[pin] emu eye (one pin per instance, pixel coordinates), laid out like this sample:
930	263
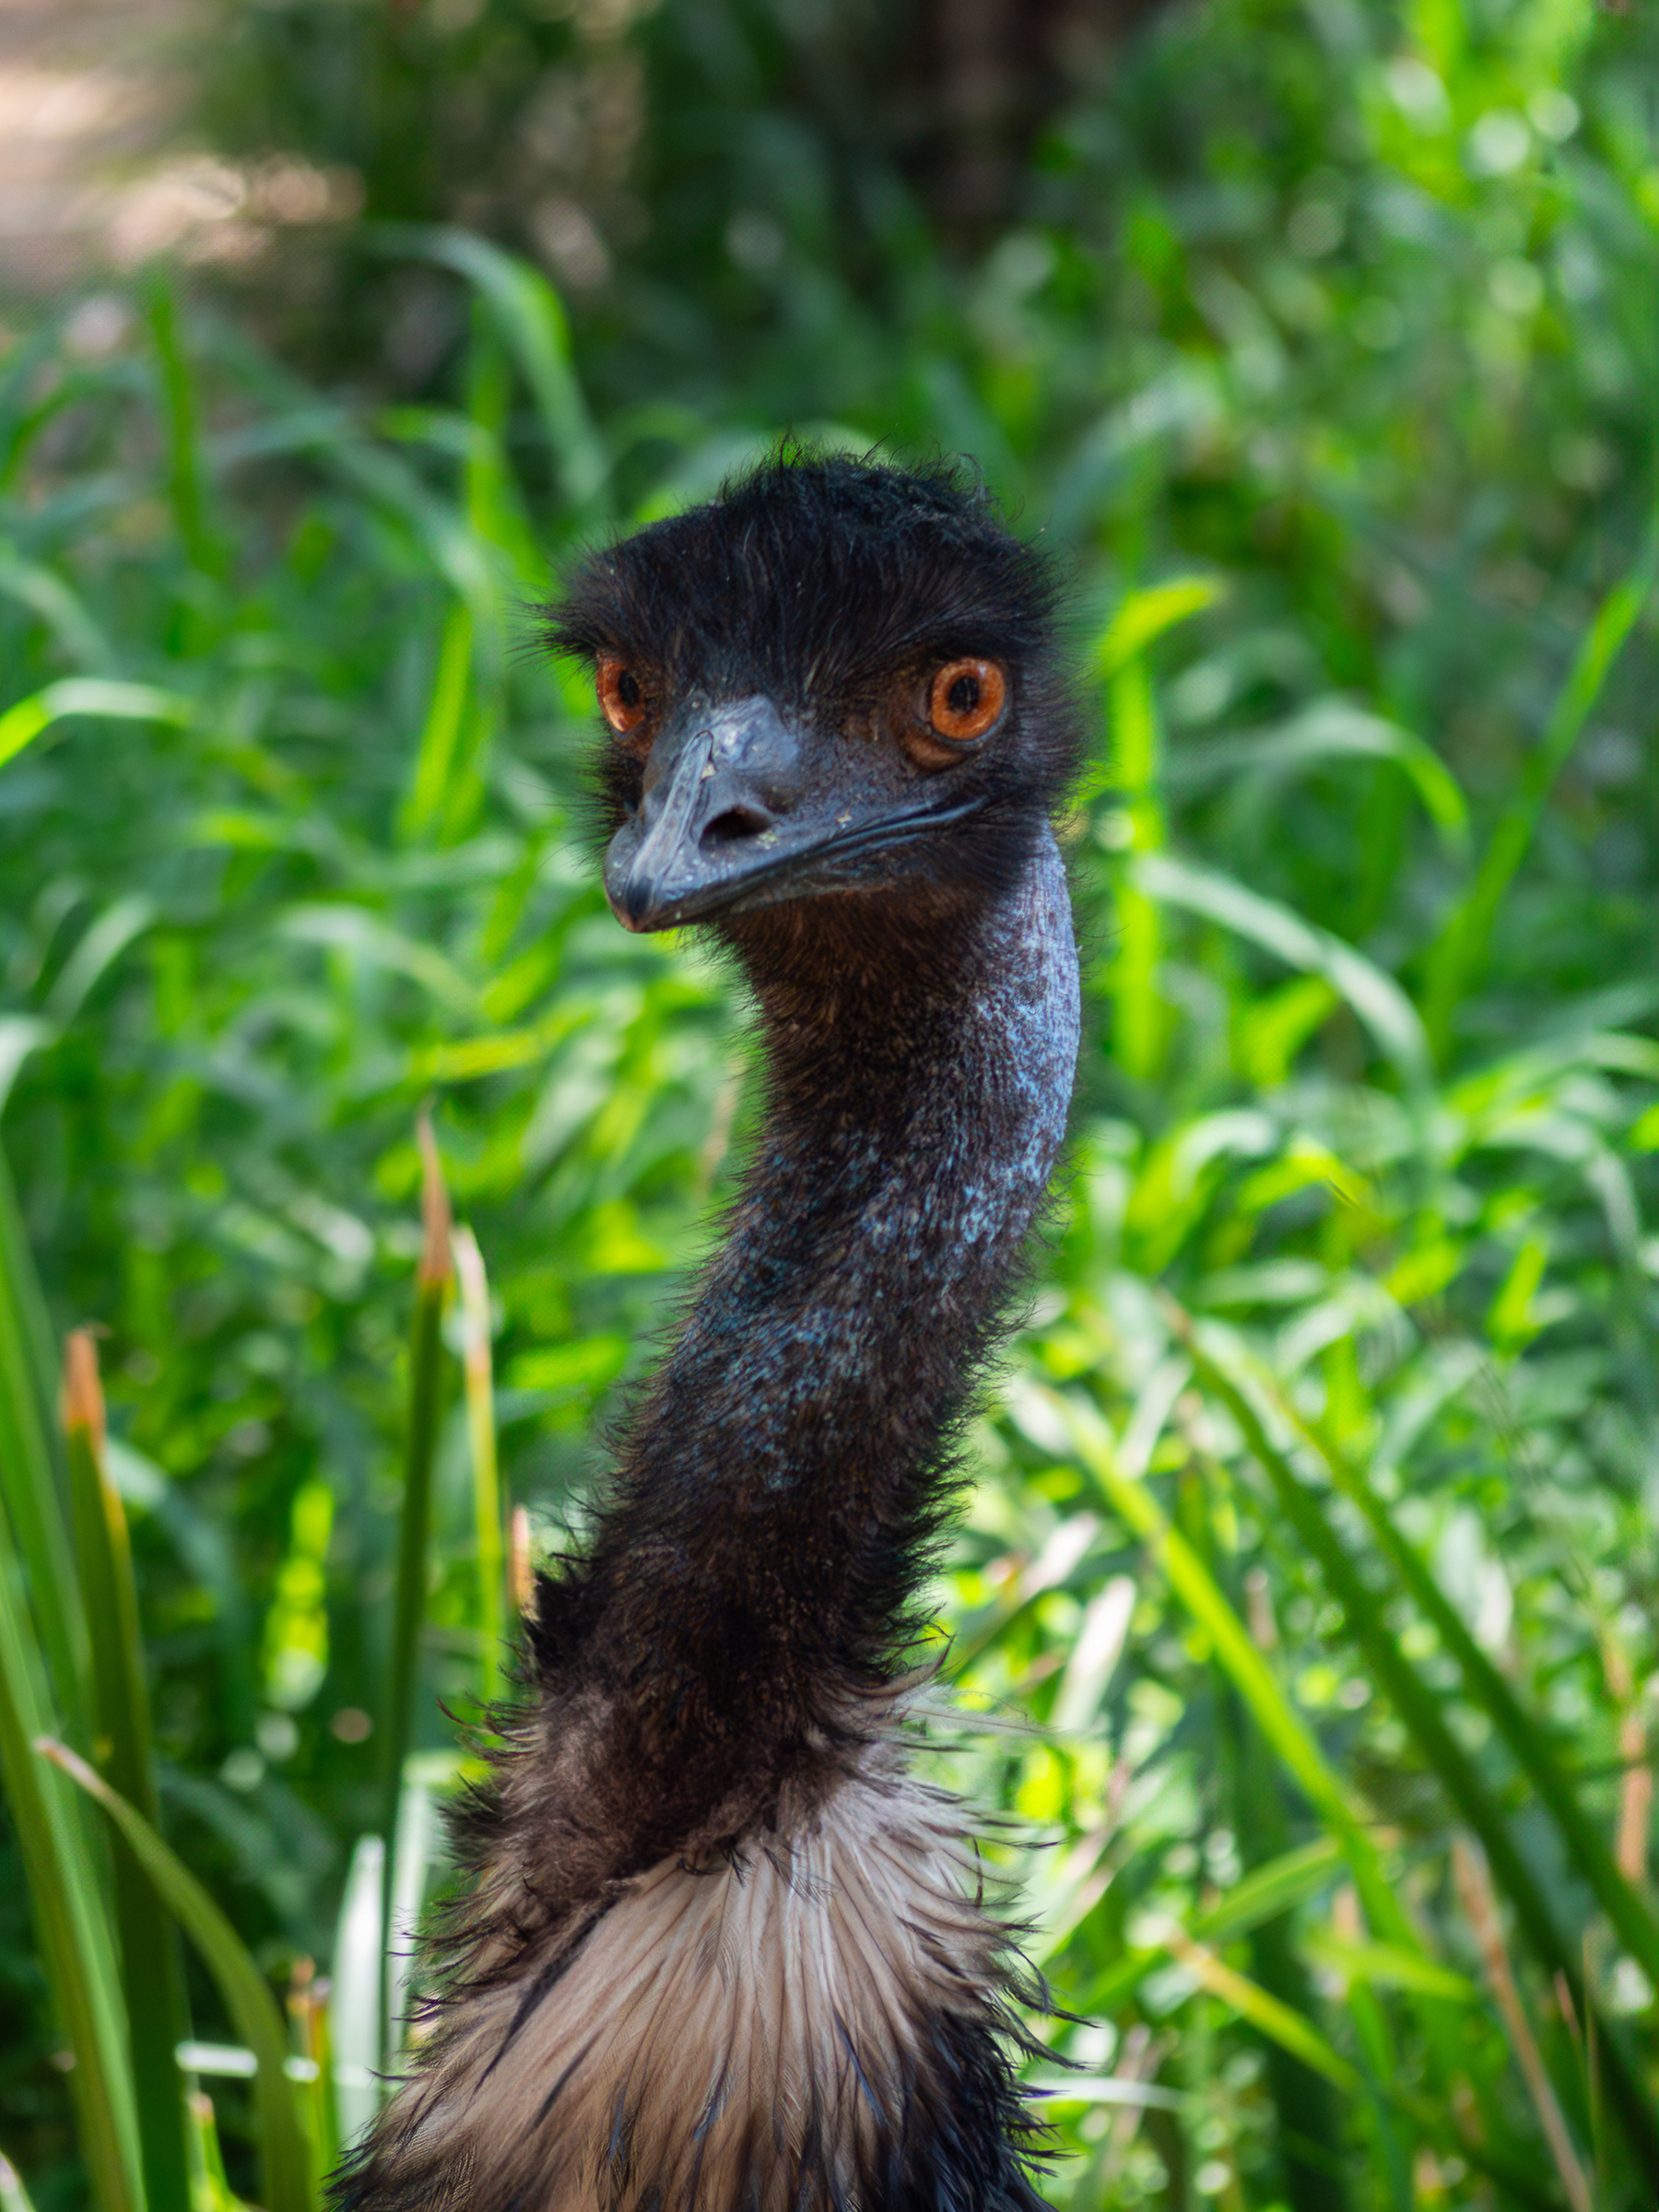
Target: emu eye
966	698
621	695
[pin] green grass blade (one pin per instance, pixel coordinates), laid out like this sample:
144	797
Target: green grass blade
368	470
481	1435
1141	1021
1480	1909
1458	957
1431	2123
22	723
1306	2119
1280	1726
1195	1587
1387	1966
1264	1894
1293	2031
1142	616
1419	1711
13	2197
494	506
27	1486
426	1377
1371	991
76	1951
1381	2064
23	1314
284	2162
1267	1891
442	737
152	1971
1334	729
531	320
184	480
78	634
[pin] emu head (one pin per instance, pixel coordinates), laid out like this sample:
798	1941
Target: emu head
834	684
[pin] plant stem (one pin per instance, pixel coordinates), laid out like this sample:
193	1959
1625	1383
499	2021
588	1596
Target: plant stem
426	1367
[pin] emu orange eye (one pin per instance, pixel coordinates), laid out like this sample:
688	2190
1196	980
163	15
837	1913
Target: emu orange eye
966	698
621	695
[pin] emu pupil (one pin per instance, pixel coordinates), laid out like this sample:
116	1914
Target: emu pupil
721	1950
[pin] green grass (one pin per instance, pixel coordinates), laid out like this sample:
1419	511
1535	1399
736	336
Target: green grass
1304	1604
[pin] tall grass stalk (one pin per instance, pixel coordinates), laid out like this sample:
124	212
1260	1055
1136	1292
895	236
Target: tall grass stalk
151	1969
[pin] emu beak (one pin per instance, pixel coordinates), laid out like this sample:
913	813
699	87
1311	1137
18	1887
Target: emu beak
717	820
726	824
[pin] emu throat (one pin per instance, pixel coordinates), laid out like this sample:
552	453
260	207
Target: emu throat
909	1146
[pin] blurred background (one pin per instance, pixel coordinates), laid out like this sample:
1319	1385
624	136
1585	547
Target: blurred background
1305	1605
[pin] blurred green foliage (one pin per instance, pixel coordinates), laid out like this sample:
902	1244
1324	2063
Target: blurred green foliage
1319	345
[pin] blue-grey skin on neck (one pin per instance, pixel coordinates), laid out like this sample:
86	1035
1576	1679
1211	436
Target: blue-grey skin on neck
883	1220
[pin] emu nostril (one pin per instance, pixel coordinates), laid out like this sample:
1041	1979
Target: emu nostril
737	822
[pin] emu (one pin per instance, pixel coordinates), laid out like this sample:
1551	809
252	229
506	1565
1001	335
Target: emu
721	1950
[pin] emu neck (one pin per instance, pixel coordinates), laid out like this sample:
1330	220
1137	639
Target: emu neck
754	1569
915	1116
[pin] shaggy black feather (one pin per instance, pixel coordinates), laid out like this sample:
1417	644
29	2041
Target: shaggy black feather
747	1591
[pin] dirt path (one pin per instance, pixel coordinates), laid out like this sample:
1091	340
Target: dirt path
87	102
